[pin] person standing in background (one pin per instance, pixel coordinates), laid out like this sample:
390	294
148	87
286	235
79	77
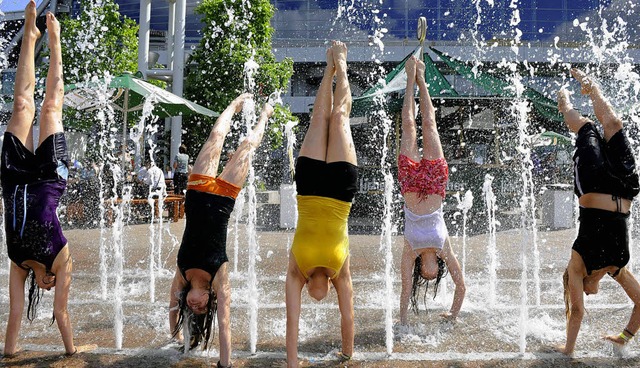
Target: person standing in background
181	170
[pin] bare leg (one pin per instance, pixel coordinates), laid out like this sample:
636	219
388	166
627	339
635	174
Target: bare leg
601	107
293	290
209	157
344	289
235	172
431	139
315	140
408	142
572	117
223	293
24	107
340	145
406	271
51	114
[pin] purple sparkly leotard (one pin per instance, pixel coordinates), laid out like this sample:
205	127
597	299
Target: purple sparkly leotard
32	184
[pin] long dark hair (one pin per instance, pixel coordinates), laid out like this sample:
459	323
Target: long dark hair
35	293
200	325
419	281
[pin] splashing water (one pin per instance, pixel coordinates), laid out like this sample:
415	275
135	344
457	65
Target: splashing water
248	114
238	211
464	205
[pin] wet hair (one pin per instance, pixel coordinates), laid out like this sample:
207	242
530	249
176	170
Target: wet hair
182	148
419	281
34	298
199	325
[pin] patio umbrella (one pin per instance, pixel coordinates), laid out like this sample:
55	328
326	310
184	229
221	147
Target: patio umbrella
550	138
128	94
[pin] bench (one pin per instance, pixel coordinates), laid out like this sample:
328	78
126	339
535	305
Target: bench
174	204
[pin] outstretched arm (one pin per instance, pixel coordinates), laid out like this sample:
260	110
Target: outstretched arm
177	285
456	274
344	289
576	303
17	277
61	298
406	271
293	289
632	288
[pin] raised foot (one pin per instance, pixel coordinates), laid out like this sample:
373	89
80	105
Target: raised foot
585	81
410	68
30	15
331	66
339	50
239	101
267	110
564	101
53	29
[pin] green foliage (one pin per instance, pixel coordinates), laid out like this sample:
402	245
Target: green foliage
98	43
234	32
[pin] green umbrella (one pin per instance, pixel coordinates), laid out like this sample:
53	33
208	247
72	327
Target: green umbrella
128	94
550	138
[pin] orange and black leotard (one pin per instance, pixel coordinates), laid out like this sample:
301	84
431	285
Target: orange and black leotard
208	205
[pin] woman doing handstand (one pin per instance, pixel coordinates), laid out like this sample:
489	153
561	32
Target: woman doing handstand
605	182
201	281
326	177
33	182
423	180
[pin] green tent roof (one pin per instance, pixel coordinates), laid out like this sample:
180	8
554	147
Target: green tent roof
498	86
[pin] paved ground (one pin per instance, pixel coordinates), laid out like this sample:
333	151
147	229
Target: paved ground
487	334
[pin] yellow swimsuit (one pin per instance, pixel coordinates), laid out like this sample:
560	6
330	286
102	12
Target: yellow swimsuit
321	238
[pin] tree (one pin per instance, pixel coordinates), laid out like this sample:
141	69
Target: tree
233	33
99	42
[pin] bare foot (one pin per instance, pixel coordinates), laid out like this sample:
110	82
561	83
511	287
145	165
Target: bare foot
339	50
238	102
30	20
564	102
410	68
615	339
267	109
331	66
584	79
53	30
